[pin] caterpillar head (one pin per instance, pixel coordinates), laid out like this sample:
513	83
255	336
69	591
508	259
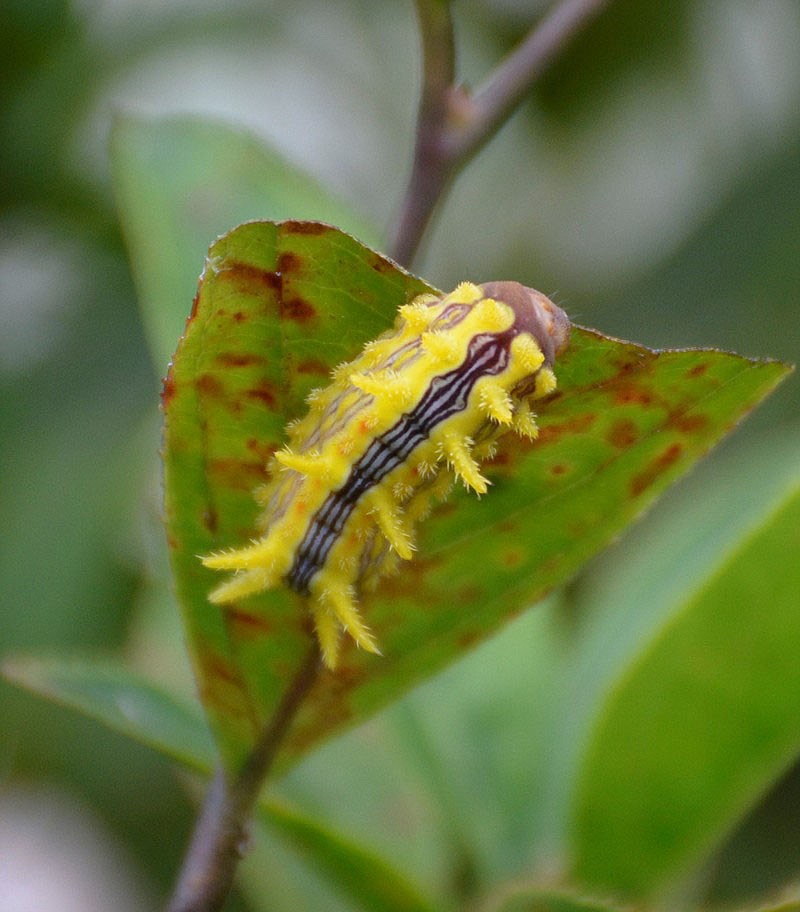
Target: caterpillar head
535	314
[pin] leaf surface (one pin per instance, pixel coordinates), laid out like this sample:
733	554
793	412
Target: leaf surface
702	723
120	699
538	900
362	876
279	305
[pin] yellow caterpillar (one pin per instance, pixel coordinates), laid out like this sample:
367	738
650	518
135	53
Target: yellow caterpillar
420	405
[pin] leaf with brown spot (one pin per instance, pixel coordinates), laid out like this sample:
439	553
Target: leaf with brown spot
181	181
624	423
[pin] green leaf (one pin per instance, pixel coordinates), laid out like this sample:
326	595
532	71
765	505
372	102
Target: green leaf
703	722
538	900
279	305
362	876
121	700
180	183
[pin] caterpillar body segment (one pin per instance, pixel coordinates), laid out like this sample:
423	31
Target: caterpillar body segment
387	437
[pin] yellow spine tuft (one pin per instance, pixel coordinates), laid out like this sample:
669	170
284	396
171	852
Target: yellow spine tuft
328	631
260	554
494	401
385	386
385	509
456	450
312	464
527	351
494	316
242	584
525	421
545	382
417	316
337	601
465	293
441	347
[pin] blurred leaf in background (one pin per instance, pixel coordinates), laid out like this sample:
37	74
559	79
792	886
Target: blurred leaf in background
651	183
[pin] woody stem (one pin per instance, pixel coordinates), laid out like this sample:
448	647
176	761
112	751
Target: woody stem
206	876
453	124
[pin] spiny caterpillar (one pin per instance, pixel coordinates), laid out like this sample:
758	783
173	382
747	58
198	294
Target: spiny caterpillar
419	406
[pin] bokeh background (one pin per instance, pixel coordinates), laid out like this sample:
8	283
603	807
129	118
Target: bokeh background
650	184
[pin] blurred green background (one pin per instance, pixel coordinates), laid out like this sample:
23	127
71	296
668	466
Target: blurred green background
650	184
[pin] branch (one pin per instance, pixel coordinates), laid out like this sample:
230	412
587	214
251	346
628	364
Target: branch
453	124
494	102
215	849
429	169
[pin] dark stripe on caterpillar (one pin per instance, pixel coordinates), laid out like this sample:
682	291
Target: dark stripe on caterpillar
389	434
447	394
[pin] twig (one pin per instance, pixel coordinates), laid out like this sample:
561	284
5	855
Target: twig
215	849
430	165
453	124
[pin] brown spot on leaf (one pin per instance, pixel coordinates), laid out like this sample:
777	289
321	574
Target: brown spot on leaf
349	675
627	361
195	302
215	666
579	424
512	557
264	392
655	468
246	624
381	265
167	390
240	316
297	309
698	369
313	366
289	262
239	474
623	434
632	394
689	424
208	385
239	359
307	228
498	459
211	519
559	469
263	450
468	639
250	279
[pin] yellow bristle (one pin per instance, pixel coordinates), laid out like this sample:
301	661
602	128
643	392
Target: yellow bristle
494	402
456	450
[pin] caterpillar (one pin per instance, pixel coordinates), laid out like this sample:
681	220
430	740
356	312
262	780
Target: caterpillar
417	409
